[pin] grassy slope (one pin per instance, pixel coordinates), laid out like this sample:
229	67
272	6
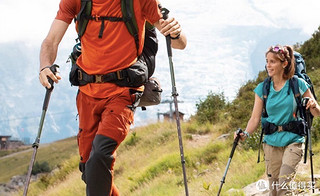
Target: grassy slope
17	164
148	162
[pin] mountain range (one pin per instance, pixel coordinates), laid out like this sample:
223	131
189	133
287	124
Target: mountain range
225	49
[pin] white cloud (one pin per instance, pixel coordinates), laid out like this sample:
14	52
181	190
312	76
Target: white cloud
26	21
292	13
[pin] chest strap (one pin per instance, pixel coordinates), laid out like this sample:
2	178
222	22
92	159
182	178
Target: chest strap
103	19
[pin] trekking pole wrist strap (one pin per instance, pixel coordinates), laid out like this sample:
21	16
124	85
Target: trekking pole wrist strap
177	37
246	133
44	68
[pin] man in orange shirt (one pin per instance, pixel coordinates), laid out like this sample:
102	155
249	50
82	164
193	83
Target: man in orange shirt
105	109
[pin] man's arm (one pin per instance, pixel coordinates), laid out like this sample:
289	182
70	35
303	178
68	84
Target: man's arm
173	28
48	51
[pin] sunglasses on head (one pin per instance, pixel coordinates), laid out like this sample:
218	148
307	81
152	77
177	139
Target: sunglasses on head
277	49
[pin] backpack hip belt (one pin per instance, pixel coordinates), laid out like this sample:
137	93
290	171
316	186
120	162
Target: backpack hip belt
297	127
133	76
83	77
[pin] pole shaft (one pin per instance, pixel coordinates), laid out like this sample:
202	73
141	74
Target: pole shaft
235	143
311	162
35	145
181	146
29	171
175	94
309	141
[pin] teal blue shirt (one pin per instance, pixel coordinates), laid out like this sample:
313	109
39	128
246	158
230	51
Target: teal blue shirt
281	109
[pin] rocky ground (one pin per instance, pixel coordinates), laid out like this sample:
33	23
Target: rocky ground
16	183
259	188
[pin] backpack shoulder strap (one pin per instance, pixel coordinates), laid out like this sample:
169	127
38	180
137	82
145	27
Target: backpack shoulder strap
265	93
82	17
294	85
128	16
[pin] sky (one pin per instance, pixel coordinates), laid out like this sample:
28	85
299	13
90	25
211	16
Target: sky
34	17
226	44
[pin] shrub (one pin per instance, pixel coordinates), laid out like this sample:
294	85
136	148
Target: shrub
209	109
40	168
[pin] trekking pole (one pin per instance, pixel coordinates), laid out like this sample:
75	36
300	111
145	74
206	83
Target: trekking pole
309	120
35	145
235	143
308	143
165	13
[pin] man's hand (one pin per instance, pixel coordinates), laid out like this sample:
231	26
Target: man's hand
45	73
170	27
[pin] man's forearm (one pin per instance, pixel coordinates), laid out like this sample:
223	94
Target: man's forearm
48	54
180	43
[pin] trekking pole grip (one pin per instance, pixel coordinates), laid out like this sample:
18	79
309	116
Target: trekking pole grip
165	12
54	70
236	140
238	134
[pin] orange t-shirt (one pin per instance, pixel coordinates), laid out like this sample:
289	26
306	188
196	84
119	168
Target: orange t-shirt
116	50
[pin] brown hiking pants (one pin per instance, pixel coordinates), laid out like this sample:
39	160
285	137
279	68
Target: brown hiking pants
103	125
281	167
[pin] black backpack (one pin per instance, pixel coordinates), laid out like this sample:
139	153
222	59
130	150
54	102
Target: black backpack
150	47
146	58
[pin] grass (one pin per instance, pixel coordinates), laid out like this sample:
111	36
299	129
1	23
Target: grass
53	154
48	182
150	165
10	151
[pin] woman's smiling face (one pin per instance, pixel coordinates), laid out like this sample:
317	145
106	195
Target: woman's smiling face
274	65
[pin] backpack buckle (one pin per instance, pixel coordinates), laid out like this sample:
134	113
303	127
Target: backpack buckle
280	128
98	78
96	18
119	75
80	75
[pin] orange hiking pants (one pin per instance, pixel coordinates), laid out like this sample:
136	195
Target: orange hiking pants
103	125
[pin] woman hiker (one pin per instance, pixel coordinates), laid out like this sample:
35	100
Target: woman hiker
282	148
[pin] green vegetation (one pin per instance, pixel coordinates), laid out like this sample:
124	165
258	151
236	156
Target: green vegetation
54	154
208	110
40	168
148	161
311	50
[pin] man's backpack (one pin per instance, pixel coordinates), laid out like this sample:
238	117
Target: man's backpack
300	72
146	58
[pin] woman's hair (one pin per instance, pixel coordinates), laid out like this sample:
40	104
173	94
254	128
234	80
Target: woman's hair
284	53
